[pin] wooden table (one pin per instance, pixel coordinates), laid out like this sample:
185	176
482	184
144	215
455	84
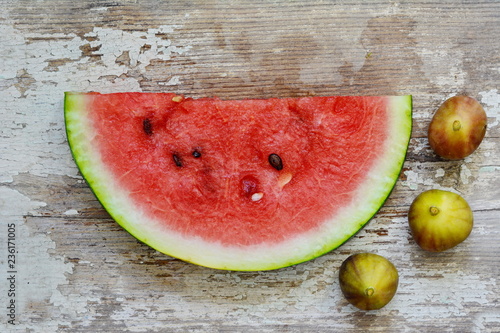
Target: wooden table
76	270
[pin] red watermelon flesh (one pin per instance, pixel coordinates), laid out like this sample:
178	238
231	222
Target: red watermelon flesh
239	175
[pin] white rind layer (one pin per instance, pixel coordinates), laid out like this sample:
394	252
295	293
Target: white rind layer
368	199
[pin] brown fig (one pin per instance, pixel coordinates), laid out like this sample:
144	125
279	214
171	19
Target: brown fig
457	128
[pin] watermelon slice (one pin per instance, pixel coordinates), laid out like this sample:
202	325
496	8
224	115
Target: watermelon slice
239	184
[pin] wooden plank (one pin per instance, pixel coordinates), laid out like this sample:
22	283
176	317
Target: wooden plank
78	271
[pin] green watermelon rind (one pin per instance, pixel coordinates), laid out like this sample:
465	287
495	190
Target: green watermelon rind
372	195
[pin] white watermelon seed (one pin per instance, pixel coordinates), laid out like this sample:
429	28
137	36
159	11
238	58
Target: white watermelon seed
257	196
284	179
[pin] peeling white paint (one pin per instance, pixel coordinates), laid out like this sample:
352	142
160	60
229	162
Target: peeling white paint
175	80
55	64
414	179
440	173
491	102
452	74
490	168
142	47
71	212
442	295
14	205
485	318
38	276
100	9
465	174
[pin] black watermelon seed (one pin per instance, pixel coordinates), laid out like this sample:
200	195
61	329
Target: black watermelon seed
147	126
196	154
275	161
177	160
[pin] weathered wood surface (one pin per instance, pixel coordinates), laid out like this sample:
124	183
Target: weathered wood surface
78	271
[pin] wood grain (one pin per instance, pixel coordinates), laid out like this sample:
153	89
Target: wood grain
78	271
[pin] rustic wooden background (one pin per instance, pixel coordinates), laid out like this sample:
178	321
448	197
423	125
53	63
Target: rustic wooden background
78	271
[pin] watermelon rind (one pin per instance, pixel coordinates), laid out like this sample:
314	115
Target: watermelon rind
369	197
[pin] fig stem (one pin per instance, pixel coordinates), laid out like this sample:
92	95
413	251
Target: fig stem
457	125
434	210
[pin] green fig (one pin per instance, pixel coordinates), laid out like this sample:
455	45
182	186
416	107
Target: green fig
440	220
368	281
457	128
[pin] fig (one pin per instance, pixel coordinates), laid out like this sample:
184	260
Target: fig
368	281
440	220
457	128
